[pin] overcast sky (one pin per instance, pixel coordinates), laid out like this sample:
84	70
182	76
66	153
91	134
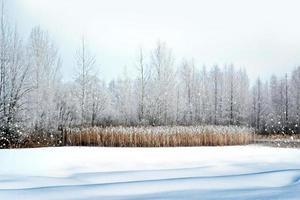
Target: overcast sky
261	36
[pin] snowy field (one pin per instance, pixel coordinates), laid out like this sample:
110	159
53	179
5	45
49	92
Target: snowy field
236	172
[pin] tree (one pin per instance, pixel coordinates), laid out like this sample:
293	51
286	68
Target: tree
143	77
98	99
45	65
187	73
67	105
242	101
216	94
161	107
84	71
257	101
295	99
124	101
13	82
204	97
230	93
286	103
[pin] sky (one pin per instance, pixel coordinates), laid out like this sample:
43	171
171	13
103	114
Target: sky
259	35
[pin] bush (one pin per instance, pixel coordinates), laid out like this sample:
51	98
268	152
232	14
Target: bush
41	138
10	135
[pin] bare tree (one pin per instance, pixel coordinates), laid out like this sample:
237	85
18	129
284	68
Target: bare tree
216	76
187	73
295	98
45	65
4	48
84	70
257	104
142	79
98	99
286	103
13	81
162	85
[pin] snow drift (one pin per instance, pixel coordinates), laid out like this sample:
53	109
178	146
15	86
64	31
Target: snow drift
239	172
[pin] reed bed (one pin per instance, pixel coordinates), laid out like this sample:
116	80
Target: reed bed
158	136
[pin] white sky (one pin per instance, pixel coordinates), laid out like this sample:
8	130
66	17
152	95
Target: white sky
262	36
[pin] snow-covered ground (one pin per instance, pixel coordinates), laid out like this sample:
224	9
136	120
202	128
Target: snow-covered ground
236	172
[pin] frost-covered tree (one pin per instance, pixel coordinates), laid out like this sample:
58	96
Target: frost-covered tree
164	92
67	105
286	102
204	97
44	74
13	81
257	101
243	98
124	102
128	106
161	108
187	73
275	104
85	70
98	100
230	95
236	96
295	99
216	95
142	80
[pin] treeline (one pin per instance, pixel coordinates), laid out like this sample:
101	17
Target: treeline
33	96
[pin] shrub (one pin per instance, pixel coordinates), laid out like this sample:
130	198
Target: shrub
9	135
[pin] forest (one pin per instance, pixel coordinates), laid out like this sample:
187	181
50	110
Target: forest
165	91
149	100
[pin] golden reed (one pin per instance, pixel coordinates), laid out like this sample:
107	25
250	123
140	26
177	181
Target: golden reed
158	136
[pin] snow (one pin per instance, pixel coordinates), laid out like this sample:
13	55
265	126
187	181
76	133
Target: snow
232	172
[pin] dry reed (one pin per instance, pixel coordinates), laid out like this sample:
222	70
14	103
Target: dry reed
158	136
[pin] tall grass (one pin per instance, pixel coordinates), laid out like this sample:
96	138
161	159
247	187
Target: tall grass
158	136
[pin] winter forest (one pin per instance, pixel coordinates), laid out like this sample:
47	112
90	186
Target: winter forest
165	90
133	99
